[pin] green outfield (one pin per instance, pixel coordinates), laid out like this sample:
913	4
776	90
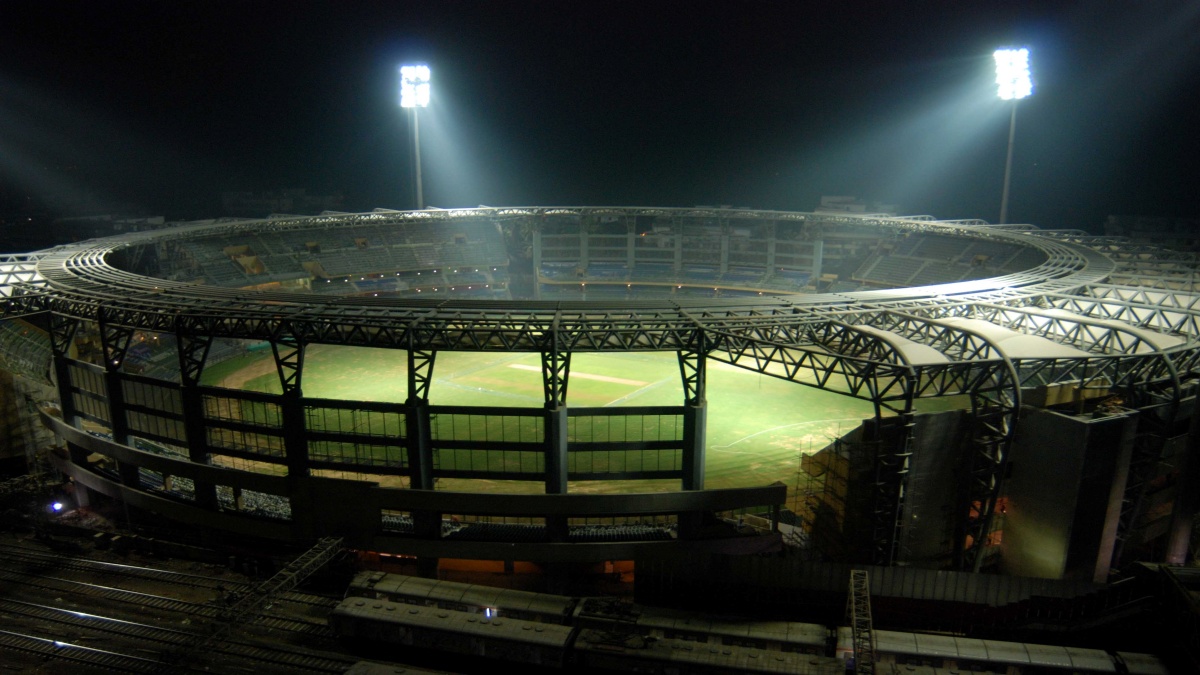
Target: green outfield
758	426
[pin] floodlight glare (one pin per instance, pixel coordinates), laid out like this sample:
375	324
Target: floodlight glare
414	86
1012	73
1012	76
414	94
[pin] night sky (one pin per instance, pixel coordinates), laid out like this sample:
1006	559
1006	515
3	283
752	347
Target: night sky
161	106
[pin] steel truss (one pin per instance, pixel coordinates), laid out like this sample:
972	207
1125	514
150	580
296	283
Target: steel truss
193	352
420	374
556	369
288	351
20	269
1158	317
813	340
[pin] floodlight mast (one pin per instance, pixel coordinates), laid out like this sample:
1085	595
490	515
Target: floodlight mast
1012	78
414	94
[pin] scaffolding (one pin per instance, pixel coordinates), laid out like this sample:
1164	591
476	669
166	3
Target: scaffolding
821	499
834	498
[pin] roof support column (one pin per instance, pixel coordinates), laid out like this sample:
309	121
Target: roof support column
62	338
893	442
1155	426
193	352
695	415
418	445
288	351
418	432
115	342
556	368
1148	444
982	371
995	402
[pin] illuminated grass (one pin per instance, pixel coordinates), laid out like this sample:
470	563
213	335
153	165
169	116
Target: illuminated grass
757	425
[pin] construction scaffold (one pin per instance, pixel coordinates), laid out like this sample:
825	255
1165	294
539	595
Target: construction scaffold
821	498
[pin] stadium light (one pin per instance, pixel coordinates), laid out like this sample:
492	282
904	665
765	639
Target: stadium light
414	86
1012	74
1014	83
414	94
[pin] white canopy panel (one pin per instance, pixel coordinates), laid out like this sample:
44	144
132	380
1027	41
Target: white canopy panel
914	353
1016	345
1159	341
18	269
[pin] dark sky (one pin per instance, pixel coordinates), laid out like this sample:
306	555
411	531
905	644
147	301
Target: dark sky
163	105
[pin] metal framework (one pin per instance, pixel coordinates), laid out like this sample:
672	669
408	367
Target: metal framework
855	343
245	607
858	614
19	270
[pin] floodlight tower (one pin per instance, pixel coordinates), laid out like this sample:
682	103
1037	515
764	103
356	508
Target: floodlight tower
414	94
1012	77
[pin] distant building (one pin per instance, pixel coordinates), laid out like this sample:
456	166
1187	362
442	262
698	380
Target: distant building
102	225
1172	232
289	200
851	204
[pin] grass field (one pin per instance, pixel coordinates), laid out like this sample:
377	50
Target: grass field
758	426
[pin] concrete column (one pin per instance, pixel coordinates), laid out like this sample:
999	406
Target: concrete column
130	476
116	406
295	444
556	467
66	402
301	493
695	417
418	445
556	450
197	441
